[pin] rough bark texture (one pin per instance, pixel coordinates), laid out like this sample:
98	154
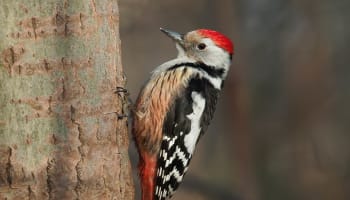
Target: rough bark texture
60	62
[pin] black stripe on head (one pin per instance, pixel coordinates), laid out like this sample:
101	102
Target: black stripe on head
210	70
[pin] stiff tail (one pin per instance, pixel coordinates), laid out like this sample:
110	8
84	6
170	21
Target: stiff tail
147	170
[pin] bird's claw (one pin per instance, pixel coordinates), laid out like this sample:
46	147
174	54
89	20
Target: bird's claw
119	90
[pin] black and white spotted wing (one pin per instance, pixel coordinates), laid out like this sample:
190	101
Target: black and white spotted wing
187	119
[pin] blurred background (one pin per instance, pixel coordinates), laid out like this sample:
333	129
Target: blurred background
281	129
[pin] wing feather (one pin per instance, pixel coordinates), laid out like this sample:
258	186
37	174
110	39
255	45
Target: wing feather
175	156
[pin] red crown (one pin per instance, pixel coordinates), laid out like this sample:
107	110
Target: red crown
218	38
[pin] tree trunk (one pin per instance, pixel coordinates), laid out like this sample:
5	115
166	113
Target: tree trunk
60	62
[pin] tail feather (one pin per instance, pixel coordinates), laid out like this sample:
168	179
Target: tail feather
147	170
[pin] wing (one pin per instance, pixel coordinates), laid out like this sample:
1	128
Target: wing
187	119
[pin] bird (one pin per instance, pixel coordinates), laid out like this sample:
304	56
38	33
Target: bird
175	106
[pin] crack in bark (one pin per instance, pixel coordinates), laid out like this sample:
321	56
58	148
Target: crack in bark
34	26
13	60
46	65
66	20
77	166
120	174
81	20
12	51
19	69
31	194
49	109
9	168
33	176
63	94
49	182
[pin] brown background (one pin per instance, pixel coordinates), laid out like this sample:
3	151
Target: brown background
281	130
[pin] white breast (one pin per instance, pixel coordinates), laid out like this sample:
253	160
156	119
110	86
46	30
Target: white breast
195	117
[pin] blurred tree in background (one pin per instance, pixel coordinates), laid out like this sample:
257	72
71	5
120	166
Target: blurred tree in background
281	130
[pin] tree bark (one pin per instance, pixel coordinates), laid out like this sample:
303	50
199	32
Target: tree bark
60	62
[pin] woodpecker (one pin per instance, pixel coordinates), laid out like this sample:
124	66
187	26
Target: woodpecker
175	107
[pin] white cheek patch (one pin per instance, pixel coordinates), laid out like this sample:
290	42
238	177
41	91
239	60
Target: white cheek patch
195	117
215	56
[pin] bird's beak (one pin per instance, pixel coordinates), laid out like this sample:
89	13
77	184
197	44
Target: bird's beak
177	37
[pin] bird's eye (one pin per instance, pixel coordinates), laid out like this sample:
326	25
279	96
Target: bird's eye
201	46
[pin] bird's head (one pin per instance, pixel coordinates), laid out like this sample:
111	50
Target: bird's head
204	45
